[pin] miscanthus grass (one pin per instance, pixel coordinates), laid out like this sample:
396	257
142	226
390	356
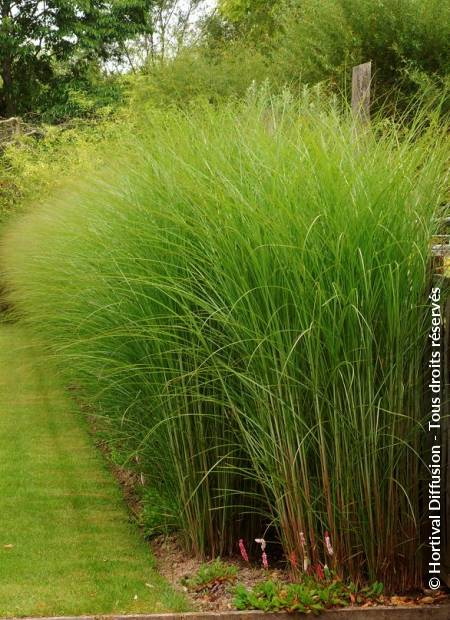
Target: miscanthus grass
243	295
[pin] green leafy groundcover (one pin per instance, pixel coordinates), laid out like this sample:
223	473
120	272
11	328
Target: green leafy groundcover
309	596
242	295
211	573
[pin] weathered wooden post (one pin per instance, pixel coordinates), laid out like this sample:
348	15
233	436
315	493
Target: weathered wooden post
361	79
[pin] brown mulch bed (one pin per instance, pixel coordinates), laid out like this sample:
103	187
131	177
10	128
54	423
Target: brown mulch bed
175	565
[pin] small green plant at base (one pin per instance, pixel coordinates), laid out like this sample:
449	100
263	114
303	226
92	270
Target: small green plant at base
309	596
212	572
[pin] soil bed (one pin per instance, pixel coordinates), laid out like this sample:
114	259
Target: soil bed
175	565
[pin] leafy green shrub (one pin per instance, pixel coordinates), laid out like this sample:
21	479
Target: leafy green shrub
67	98
242	290
44	158
199	74
309	42
323	40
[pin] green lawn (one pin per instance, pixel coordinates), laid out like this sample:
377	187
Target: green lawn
66	544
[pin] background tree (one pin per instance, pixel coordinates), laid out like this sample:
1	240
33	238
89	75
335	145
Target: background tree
38	37
174	27
255	19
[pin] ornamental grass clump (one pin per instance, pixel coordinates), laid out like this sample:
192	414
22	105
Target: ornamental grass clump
242	296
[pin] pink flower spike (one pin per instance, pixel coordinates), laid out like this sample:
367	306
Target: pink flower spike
243	550
265	563
328	544
303	540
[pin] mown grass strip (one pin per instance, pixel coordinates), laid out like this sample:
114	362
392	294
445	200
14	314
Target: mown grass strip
66	543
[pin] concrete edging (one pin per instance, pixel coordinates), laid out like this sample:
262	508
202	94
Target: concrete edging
424	612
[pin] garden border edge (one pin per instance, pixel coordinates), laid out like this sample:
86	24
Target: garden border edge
425	612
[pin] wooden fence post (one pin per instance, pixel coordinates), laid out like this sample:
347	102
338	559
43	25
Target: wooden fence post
361	78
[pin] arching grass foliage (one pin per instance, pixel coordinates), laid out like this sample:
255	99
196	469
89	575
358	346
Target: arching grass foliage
242	294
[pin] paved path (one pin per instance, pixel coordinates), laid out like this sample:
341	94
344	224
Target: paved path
66	544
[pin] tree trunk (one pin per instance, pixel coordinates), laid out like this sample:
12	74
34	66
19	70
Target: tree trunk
7	103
